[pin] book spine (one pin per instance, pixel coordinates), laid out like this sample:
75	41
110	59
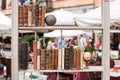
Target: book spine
35	54
78	58
56	59
53	57
40	16
59	59
71	57
42	59
19	53
43	16
36	14
38	59
47	59
74	63
33	15
25	15
50	59
62	58
24	49
67	59
20	15
29	15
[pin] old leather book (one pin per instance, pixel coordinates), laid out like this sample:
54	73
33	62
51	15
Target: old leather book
30	15
53	58
42	59
67	58
20	16
74	59
24	51
78	58
35	54
56	59
71	57
47	59
43	15
38	59
25	15
33	14
36	15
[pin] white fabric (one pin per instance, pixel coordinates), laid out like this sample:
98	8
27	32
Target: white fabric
64	17
5	22
57	33
93	17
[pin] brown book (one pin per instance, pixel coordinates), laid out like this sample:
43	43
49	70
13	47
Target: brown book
75	58
47	59
78	58
25	15
71	57
53	58
38	59
30	15
33	14
42	59
56	59
35	54
20	16
43	15
40	16
50	59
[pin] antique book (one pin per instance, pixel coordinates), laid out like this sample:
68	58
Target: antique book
42	59
56	59
43	15
30	15
38	59
36	14
71	57
74	59
20	16
40	16
67	58
33	15
35	54
60	59
19	54
53	58
25	15
48	61
78	58
24	51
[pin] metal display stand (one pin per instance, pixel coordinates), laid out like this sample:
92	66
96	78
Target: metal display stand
106	41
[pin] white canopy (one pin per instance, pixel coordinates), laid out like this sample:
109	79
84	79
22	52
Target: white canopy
64	17
5	22
93	17
58	33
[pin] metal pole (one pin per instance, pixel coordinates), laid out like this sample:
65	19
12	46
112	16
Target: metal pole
106	39
14	40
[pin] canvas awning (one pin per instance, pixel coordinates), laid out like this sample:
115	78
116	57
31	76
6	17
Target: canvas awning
94	17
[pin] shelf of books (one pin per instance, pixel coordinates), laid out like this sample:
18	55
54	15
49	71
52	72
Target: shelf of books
27	17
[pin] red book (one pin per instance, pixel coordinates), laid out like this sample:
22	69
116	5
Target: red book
35	54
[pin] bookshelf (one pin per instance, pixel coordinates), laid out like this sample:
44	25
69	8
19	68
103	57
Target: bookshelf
105	31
